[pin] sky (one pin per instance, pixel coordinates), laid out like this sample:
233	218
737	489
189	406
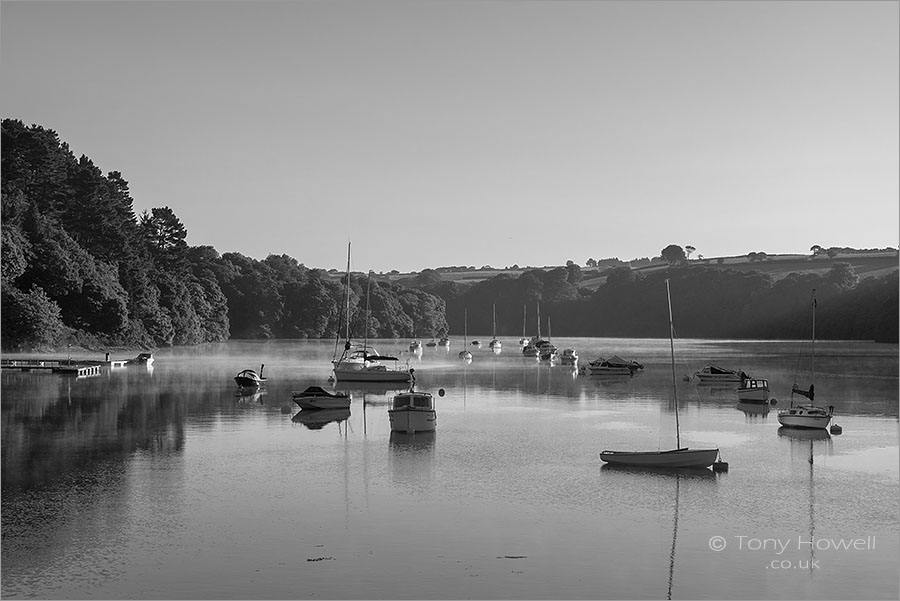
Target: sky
500	133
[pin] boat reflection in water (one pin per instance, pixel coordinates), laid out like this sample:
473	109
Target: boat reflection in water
658	476
316	419
752	410
803	441
411	461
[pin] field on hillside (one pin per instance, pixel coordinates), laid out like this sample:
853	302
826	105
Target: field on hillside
874	264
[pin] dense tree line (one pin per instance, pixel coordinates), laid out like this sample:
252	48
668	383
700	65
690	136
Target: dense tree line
708	302
79	267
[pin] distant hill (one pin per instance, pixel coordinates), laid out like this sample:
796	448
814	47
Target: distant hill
866	263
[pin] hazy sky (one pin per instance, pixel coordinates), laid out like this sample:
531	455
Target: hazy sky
477	132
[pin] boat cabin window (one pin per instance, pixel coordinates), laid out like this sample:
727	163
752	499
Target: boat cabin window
422	402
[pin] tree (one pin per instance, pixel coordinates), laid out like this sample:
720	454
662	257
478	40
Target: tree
815	249
688	250
165	236
842	275
29	320
590	262
673	254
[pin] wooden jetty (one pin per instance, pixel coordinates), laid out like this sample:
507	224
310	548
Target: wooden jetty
76	367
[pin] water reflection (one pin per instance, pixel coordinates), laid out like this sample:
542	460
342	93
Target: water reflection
249	395
411	460
753	411
667	485
316	419
803	444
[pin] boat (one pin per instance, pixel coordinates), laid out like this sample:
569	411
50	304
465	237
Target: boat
415	347
444	342
431	343
495	345
464	354
604	367
807	415
712	374
364	363
248	378
412	411
535	345
317	398
679	457
753	390
141	359
569	356
548	351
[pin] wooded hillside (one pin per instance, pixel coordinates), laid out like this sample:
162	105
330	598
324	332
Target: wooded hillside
79	267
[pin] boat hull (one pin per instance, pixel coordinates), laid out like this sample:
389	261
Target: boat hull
412	420
315	403
753	395
717	378
815	422
597	370
363	374
674	458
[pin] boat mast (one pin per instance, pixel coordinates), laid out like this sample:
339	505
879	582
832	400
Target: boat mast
347	335
674	385
524	318
494	325
366	335
812	379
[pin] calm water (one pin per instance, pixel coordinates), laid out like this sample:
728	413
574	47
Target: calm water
166	484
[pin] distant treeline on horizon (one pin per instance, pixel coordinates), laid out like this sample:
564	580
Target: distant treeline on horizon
79	267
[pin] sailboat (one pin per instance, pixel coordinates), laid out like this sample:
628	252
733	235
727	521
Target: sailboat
464	354
807	415
495	345
548	352
678	457
364	363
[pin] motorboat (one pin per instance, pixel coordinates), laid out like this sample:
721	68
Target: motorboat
415	346
603	367
431	343
569	356
712	374
412	411
444	342
141	359
753	390
679	457
316	397
248	378
807	415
